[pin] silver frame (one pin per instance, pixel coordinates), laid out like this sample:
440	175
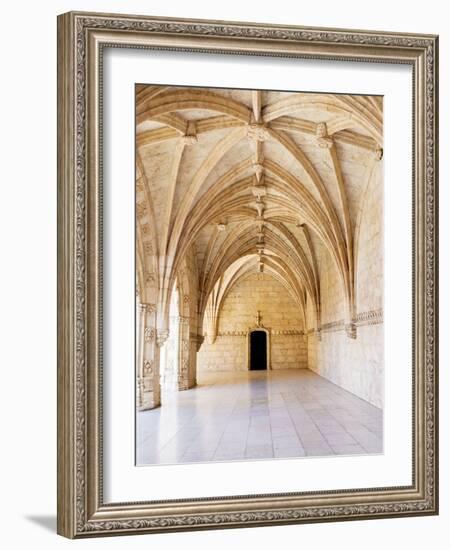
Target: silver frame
81	39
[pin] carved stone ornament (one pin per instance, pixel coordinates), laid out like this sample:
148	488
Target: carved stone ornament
149	277
148	367
257	132
141	209
322	138
259	191
147	308
378	153
161	337
350	329
259	170
189	140
149	334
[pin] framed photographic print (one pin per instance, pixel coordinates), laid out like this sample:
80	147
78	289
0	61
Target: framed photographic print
247	284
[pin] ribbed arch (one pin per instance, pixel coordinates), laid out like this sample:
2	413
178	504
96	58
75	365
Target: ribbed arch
244	204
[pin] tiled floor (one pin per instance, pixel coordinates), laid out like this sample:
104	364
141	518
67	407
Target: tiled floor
256	415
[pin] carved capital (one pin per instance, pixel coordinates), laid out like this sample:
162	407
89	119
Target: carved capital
323	140
147	308
161	337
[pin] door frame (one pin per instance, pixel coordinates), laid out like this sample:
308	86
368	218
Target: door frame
268	346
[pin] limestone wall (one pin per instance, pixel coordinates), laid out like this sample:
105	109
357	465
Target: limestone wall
355	364
279	314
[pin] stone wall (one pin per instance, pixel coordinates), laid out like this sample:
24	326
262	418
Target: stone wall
279	314
354	364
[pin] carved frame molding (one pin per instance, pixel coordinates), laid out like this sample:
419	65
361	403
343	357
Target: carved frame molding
81	510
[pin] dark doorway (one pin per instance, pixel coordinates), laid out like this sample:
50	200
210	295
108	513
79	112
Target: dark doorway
258	350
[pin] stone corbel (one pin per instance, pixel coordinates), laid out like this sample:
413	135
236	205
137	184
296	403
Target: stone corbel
323	140
350	329
161	337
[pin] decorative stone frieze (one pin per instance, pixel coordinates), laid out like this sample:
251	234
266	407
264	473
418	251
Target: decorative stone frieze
333	326
373	317
287	332
233	333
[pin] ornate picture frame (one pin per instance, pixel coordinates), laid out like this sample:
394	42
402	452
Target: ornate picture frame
82	39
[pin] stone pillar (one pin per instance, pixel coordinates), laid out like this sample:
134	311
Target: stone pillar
149	391
183	357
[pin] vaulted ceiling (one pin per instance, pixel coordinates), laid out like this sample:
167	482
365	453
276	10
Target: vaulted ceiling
249	181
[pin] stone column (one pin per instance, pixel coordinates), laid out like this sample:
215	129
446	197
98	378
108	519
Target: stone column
149	391
183	353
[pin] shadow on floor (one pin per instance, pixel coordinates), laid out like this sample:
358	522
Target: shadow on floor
46	522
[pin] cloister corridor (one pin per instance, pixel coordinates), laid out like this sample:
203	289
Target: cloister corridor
259	274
